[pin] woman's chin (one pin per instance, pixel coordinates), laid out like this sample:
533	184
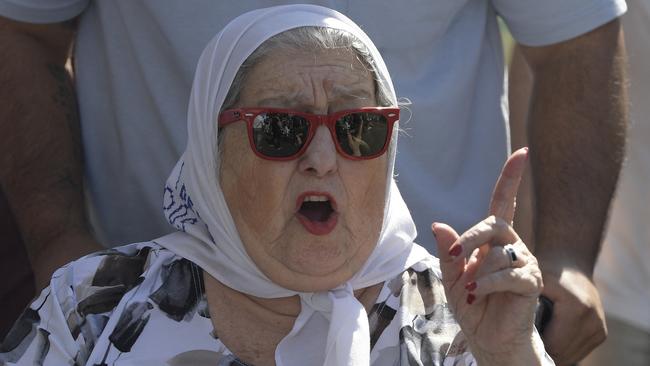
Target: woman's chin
301	261
324	269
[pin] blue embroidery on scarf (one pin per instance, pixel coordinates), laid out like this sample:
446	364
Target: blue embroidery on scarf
179	212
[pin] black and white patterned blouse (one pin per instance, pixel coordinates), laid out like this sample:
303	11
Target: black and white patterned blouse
141	304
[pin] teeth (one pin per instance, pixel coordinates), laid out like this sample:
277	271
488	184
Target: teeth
316	199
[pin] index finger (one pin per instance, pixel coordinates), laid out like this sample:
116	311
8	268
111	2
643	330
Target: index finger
502	203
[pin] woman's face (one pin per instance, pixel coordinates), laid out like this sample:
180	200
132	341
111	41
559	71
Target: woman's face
305	246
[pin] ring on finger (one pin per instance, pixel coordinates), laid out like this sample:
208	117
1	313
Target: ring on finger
511	253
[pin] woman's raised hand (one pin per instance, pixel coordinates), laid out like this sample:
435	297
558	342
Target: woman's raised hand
491	280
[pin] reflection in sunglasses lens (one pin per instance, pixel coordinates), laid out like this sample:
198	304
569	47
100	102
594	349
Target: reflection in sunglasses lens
279	134
362	134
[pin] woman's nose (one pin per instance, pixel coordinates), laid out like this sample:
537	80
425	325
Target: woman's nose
320	157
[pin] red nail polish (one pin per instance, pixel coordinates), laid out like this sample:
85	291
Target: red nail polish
455	251
471	286
470	298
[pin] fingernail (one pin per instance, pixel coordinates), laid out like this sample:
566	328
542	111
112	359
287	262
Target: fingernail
433	229
455	251
470	298
471	286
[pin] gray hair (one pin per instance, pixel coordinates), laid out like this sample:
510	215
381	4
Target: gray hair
309	38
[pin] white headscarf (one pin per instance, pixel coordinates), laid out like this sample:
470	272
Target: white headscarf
332	327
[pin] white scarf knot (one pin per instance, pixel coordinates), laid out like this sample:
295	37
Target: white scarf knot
348	335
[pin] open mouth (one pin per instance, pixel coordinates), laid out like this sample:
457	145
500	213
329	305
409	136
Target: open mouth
316	208
317	212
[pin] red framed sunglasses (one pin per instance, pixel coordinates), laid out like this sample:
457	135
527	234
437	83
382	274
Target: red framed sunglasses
284	134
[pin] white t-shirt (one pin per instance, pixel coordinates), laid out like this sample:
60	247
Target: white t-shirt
135	61
623	269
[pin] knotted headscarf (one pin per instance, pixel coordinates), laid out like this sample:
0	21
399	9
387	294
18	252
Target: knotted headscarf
332	327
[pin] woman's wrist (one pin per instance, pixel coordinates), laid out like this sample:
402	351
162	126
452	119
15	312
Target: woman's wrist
531	353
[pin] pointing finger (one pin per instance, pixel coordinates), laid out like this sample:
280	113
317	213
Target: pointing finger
502	203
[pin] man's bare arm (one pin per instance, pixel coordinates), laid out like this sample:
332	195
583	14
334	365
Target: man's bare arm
40	150
519	89
577	118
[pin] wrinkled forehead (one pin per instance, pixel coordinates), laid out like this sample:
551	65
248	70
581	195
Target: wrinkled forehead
301	77
310	65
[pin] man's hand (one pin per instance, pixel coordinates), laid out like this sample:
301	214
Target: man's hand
576	118
576	302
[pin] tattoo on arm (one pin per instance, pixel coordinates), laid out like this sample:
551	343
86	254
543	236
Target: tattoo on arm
65	98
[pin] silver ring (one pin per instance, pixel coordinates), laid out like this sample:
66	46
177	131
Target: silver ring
512	254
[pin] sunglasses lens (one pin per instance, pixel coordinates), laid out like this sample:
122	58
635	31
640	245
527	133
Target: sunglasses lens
362	134
279	135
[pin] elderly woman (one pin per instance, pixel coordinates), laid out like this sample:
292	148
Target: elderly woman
294	246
